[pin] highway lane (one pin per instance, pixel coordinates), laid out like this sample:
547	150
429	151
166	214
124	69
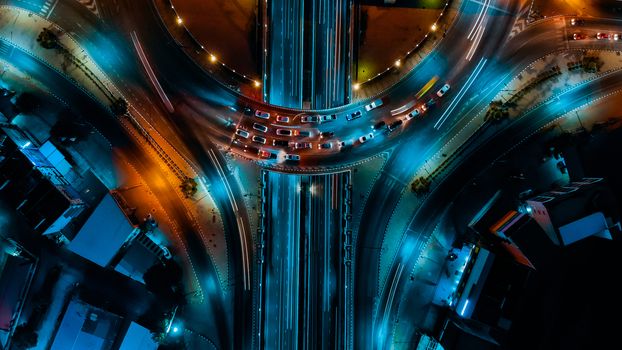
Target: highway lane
496	141
305	302
283	81
283	284
167	193
330	53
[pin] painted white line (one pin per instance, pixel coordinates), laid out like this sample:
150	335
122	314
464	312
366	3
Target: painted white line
461	93
150	73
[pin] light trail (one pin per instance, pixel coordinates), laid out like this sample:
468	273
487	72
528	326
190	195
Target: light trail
461	93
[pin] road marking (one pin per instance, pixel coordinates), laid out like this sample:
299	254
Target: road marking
461	93
495	7
91	5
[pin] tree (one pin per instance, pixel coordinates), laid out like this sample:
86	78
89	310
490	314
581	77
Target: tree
48	39
119	107
188	187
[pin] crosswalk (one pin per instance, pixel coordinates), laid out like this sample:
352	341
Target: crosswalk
47	7
5	48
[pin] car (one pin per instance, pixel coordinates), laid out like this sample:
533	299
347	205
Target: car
281	143
443	90
260	127
431	102
248	111
305	133
326	145
600	36
292	157
286	132
282	119
396	124
262	114
354	115
265	154
259	139
326	134
424	107
578	36
413	114
366	137
310	119
375	104
379	125
327	118
616	36
303	145
243	133
576	22
251	149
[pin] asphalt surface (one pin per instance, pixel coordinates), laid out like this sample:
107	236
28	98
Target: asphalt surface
305	300
476	62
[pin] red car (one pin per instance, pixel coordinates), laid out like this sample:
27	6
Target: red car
578	36
600	36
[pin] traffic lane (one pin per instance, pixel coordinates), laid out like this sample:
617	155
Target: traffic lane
237	233
481	155
141	16
281	262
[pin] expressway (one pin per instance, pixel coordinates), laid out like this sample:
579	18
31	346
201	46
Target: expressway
475	58
308	55
283	83
305	266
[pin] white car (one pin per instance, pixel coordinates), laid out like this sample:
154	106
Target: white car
377	103
327	118
443	90
243	133
260	127
309	119
282	119
292	157
262	114
366	138
412	114
259	139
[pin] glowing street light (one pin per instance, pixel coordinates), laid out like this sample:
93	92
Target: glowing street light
398	63
434	27
212	58
356	86
256	83
179	20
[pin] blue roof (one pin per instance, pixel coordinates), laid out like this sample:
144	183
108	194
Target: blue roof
103	234
86	327
138	338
